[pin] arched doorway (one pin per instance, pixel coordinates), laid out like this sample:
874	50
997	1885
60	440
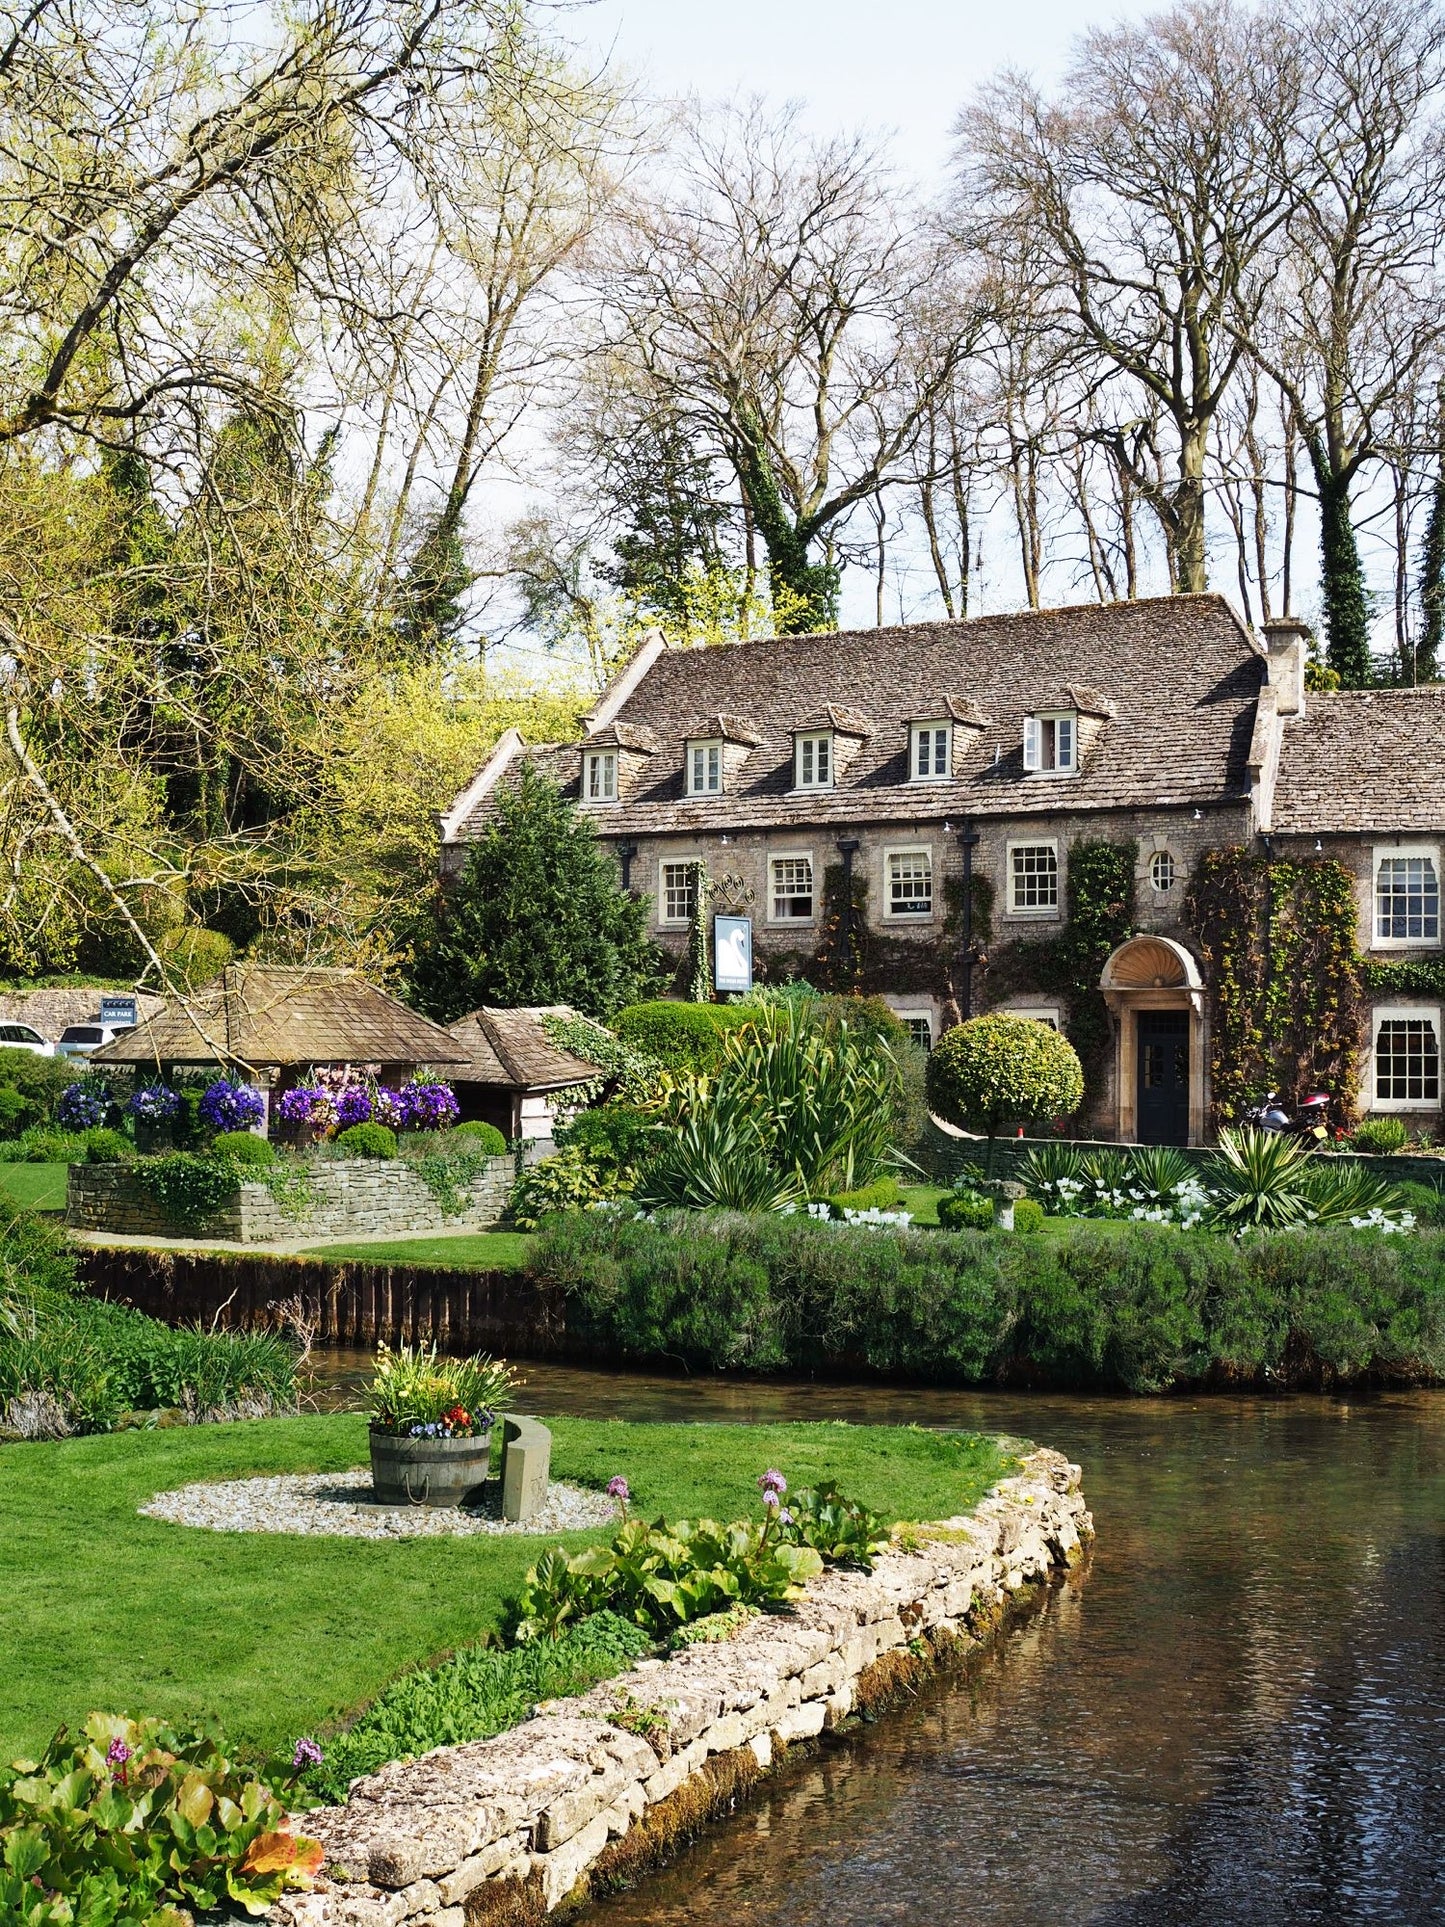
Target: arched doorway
1154	988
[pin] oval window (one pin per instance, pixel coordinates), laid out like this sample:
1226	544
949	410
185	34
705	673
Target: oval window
1161	871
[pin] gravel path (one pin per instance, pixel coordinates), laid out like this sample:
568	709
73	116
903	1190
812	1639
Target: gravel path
339	1504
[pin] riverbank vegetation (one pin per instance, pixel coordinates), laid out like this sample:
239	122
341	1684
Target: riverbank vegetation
171	1621
1121	1306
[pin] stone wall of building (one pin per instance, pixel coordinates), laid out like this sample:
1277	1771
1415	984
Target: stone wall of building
506	1830
353	1198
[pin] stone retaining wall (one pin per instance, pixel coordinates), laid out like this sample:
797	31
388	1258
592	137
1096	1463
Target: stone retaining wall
504	1830
353	1198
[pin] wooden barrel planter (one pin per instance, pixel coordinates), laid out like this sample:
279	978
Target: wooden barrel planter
429	1472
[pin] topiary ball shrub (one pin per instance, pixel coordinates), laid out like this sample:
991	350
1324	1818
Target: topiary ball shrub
1028	1215
994	1071
367	1141
965	1211
486	1137
243	1147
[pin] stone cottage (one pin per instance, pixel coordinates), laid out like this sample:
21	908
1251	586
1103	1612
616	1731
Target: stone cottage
1014	812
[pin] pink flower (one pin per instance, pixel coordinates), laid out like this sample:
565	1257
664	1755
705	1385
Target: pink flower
618	1488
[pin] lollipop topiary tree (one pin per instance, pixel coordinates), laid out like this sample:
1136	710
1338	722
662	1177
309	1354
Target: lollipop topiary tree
994	1071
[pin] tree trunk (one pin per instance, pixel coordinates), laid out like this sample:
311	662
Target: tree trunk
1432	585
1347	615
1191	573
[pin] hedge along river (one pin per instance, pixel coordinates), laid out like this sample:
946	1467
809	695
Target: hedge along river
1235	1713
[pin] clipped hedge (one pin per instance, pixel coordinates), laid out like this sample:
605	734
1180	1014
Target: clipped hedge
682	1037
1135	1308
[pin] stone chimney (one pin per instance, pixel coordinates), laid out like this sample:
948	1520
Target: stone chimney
1288	641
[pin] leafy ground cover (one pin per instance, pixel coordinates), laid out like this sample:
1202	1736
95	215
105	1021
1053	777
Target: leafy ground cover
279	1637
460	1251
35	1187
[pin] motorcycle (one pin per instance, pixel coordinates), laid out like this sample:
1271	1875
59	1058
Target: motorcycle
1310	1119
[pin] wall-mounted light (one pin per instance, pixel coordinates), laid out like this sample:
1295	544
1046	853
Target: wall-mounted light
1199	816
1318	846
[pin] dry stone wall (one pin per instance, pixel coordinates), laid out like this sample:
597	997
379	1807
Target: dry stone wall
506	1830
355	1198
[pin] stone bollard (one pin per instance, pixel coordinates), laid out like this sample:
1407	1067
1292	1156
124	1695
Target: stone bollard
526	1463
1005	1193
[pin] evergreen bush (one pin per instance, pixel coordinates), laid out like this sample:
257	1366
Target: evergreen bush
682	1037
1000	1070
371	1141
482	1137
243	1147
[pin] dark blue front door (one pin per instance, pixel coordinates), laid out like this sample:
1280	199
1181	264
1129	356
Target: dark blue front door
1163	1088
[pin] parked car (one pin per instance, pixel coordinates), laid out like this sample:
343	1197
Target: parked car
25	1037
79	1040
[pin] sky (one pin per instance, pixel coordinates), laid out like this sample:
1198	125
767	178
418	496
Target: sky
904	67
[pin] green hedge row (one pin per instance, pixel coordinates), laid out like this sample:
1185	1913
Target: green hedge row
1126	1307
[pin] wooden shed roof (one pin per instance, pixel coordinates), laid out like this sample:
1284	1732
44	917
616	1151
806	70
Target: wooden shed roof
272	1015
511	1048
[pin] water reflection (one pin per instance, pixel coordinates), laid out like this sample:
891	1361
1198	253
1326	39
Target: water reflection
1237	1714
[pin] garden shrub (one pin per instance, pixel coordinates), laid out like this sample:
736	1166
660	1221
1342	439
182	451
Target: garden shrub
1028	1215
44	1144
998	1070
613	1135
104	1146
1135	1307
369	1141
1380	1136
35	1255
485	1137
682	1037
243	1147
884	1194
136	1824
964	1209
37	1081
562	1182
476	1693
14	1109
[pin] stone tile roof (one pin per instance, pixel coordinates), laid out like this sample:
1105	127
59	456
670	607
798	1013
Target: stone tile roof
510	1047
271	1015
1363	759
1180	673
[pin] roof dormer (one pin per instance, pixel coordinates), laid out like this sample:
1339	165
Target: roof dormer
714	751
1056	739
939	740
825	743
614	759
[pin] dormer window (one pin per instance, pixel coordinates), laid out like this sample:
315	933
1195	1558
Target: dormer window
704	769
813	761
600	776
1051	743
932	752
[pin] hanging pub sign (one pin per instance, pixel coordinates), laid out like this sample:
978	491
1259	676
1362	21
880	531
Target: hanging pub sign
732	952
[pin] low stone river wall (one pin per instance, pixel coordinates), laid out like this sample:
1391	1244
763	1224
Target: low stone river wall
592	1791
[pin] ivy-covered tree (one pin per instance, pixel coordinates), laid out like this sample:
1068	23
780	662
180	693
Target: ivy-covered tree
536	917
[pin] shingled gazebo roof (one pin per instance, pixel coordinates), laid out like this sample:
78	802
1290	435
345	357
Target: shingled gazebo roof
511	1048
274	1016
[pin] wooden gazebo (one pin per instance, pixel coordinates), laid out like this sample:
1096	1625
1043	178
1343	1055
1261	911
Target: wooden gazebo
260	1019
513	1072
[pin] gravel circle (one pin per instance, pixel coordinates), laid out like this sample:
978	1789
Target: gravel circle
339	1505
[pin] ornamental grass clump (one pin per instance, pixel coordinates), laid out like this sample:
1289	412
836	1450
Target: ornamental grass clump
418	1394
141	1824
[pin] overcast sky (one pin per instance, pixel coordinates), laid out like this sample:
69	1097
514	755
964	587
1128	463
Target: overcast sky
905	66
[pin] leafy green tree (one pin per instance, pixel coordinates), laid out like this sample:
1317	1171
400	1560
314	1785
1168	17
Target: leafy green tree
1000	1070
536	917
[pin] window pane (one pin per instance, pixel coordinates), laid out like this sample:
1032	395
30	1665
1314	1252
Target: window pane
1407	1061
1407	900
1161	871
677	893
805	760
1065	739
920	1031
910	884
823	759
792	886
1034	880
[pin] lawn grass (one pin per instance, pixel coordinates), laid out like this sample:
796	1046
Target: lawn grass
922	1201
38	1187
459	1251
280	1635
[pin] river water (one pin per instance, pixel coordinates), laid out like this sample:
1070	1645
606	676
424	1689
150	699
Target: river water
1234	1713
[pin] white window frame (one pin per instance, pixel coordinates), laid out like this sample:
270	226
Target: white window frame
908	916
1167	856
1384	853
599	763
916	1015
709	748
1034	742
1384	1014
814	740
1050	1014
1033	912
775	857
664	921
932	729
